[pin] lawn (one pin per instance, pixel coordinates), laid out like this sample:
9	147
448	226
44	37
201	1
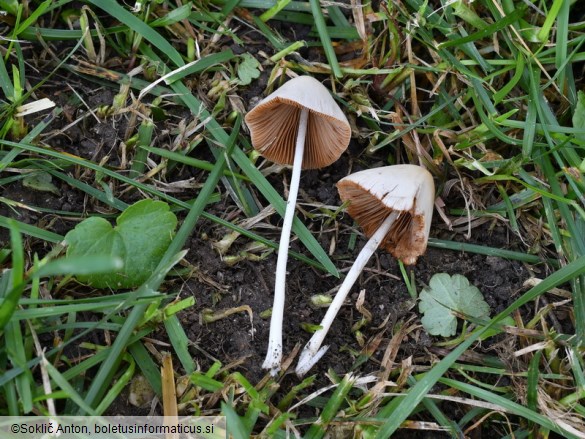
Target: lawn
139	226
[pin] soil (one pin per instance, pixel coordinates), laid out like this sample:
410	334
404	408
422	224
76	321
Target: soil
237	341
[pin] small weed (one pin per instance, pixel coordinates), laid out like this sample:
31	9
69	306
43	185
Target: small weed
445	296
140	238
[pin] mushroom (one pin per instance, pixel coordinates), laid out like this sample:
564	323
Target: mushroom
298	124
394	206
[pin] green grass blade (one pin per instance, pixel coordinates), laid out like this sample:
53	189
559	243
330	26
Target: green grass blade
15	281
337	17
562	47
180	343
148	367
5	80
486	31
64	385
507	88
531	113
532	384
319	428
88	189
551	16
579	307
484	250
174	16
13	337
278	6
278	42
236	427
190	161
511	215
33	32
34	16
200	65
17	253
140	154
442	419
80	265
325	38
116	389
52	311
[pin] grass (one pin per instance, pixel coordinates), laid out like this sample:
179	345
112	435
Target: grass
486	95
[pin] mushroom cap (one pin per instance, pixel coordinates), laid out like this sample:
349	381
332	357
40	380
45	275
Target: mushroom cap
274	124
374	193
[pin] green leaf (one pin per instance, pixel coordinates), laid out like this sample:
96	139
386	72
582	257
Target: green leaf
248	69
40	181
140	238
508	321
446	294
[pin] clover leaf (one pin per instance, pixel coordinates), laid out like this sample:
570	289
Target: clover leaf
141	236
446	294
248	69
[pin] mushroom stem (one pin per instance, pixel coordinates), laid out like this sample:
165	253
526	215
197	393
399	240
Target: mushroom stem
274	353
312	352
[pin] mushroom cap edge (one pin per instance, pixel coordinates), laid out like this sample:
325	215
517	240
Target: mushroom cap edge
374	193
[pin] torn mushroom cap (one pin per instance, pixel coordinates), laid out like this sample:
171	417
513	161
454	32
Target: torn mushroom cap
274	123
407	189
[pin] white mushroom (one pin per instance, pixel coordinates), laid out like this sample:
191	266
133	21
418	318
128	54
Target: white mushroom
298	124
394	206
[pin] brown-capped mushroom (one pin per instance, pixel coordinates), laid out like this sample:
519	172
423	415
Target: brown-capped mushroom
300	125
394	206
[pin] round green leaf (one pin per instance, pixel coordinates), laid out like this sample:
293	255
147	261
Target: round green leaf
140	239
446	294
